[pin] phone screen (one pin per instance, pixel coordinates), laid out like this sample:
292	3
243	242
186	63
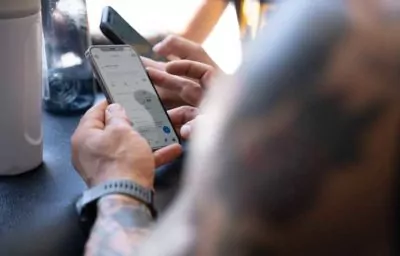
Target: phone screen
125	33
127	83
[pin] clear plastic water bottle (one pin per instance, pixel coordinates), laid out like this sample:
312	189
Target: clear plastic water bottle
70	85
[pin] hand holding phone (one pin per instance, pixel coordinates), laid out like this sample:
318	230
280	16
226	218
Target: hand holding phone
124	80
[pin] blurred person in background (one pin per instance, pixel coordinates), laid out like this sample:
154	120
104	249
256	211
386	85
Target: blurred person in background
297	154
251	16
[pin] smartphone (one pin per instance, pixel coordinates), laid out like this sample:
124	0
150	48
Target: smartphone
118	31
124	80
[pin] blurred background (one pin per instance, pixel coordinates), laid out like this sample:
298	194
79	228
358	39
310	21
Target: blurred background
160	17
223	28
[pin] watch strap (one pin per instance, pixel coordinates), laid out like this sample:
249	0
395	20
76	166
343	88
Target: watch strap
125	187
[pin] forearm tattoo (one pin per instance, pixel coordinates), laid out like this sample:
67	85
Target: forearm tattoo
121	226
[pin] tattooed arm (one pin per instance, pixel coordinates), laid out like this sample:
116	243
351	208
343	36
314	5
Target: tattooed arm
105	147
120	228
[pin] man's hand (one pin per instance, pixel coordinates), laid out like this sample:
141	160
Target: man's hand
105	147
169	99
175	47
185	78
184	49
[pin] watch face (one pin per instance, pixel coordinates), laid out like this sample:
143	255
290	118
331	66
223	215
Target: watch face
87	216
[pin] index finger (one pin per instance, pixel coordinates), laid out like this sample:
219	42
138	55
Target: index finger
187	90
95	116
191	69
152	64
175	45
184	49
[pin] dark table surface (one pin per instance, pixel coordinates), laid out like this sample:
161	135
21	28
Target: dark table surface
37	214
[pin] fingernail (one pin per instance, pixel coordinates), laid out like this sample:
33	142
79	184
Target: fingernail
114	108
154	73
157	47
185	130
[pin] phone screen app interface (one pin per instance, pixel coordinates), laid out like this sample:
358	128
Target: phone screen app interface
130	86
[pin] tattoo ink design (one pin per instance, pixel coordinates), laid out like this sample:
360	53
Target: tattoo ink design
120	228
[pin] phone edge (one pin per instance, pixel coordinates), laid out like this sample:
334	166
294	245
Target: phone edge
97	75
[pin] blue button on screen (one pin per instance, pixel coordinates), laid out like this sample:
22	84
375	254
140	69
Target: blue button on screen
166	129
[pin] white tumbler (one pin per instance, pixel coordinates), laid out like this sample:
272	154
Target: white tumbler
21	143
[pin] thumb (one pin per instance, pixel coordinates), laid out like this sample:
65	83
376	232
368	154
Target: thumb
187	129
116	116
